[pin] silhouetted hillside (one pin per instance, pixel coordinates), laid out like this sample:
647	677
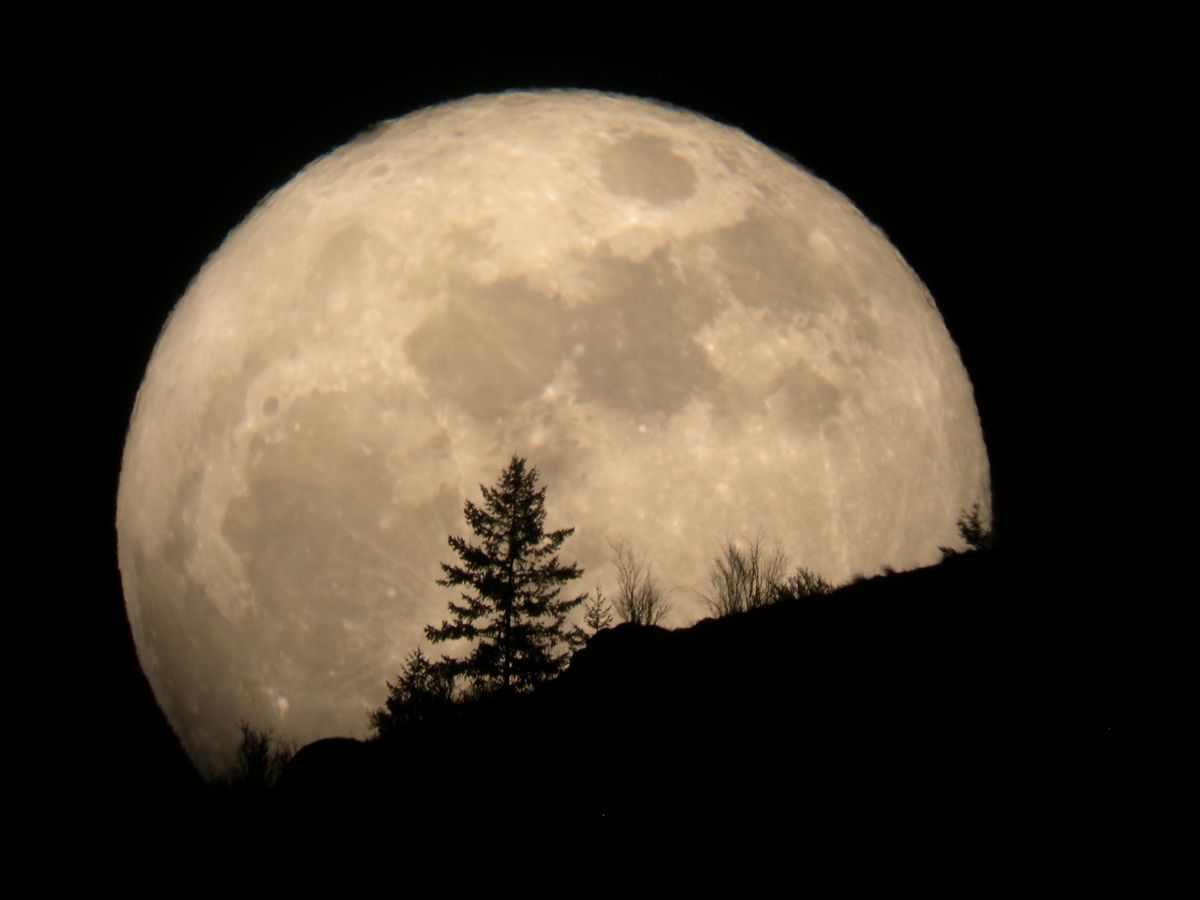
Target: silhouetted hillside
955	690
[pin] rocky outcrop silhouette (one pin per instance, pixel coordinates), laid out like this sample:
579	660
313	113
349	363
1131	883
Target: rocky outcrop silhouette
329	768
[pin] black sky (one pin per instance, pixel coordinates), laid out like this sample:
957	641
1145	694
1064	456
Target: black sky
1022	168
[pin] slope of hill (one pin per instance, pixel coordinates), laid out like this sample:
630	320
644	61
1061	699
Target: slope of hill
958	690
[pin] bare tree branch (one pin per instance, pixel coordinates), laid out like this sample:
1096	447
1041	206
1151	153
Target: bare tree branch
639	599
746	578
804	583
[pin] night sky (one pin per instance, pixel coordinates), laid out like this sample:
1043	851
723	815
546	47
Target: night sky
997	160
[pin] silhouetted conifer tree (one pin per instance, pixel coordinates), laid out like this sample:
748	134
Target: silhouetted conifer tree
423	692
971	529
977	535
597	615
510	610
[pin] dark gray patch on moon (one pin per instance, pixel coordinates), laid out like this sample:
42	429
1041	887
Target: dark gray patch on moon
342	264
638	353
736	405
645	166
560	453
334	564
810	400
768	262
179	538
497	346
309	526
493	347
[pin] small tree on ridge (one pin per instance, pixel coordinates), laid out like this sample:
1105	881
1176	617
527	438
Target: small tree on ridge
598	613
639	598
423	692
974	533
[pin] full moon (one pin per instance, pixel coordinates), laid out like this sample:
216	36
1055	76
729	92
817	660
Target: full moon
690	337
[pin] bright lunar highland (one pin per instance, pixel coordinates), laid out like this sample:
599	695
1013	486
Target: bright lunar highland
691	338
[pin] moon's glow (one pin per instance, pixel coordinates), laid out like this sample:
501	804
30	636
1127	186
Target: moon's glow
686	334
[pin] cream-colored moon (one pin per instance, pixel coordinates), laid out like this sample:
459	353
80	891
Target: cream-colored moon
690	337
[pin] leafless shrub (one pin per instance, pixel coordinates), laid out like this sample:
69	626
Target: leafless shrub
746	578
639	599
804	583
260	760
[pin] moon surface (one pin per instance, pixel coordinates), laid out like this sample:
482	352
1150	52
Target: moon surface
689	336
